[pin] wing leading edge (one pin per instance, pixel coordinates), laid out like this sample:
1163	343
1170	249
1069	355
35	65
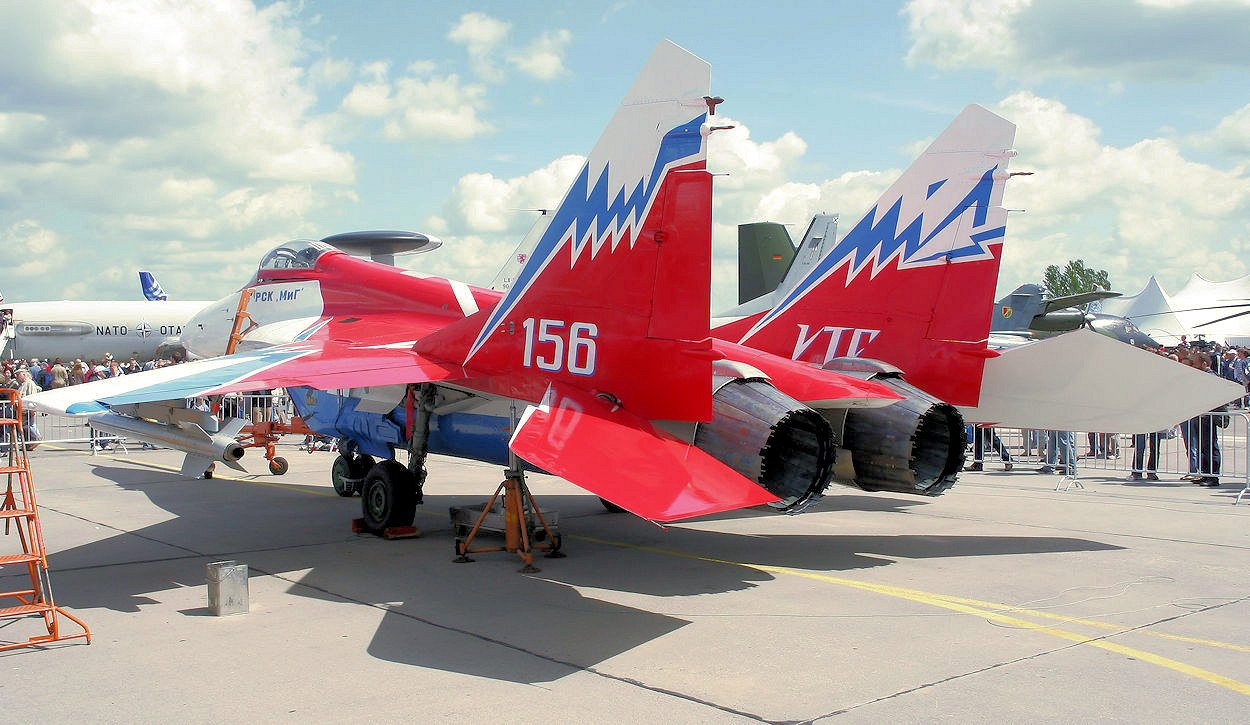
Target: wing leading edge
323	364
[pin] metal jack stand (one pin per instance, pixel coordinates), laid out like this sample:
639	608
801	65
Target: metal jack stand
1072	481
523	522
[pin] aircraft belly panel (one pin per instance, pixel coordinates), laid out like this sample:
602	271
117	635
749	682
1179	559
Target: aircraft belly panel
463	435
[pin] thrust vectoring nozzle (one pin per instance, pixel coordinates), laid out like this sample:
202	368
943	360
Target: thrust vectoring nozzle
202	448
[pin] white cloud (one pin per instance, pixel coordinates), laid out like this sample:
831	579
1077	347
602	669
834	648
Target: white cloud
481	35
1231	135
126	122
485	39
750	164
1136	210
973	33
32	251
330	71
544	57
419	105
1110	40
482	203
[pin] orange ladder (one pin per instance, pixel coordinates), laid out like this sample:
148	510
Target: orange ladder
20	515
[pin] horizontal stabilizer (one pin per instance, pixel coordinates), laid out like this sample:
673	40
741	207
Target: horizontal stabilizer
622	458
1084	381
1062	303
806	383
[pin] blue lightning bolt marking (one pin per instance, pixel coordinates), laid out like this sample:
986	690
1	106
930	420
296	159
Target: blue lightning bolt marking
588	214
883	241
311	331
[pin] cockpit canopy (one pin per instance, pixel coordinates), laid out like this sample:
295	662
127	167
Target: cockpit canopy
297	254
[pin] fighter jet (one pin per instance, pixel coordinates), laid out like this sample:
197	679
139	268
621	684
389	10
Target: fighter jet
1031	311
594	364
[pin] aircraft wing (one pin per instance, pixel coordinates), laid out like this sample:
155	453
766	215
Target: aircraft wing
323	364
1084	381
1062	303
653	474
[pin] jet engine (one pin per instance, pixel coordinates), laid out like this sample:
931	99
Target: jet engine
913	446
770	438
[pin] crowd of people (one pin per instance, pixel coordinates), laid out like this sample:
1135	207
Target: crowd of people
50	374
28	377
1199	435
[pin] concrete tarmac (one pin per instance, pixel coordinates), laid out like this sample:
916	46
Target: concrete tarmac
1001	601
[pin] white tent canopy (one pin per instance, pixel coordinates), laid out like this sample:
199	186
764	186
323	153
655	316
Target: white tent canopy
1152	310
1203	308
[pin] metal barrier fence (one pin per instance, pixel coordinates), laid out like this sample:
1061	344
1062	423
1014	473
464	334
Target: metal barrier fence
1210	445
255	407
1213	444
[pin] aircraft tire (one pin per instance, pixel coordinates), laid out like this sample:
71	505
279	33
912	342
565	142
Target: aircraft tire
611	507
356	467
389	497
340	470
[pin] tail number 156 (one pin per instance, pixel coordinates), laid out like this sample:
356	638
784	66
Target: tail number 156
548	336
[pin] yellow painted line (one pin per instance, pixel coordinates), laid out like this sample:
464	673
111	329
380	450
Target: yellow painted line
1092	623
959	606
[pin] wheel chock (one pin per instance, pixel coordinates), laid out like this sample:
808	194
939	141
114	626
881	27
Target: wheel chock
390	532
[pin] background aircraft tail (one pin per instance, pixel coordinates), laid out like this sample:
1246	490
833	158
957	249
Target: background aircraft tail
619	281
151	288
912	283
764	255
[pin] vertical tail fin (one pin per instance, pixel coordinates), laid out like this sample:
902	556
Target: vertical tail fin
619	281
764	255
151	288
912	283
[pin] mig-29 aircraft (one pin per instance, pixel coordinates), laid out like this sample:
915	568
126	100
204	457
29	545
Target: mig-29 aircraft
602	340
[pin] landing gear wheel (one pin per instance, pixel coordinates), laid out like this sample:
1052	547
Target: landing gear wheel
278	466
389	498
356	467
341	470
611	506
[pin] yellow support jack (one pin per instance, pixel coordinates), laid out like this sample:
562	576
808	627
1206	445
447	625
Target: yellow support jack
521	528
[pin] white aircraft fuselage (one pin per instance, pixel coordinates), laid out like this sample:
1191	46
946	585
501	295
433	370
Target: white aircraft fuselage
71	329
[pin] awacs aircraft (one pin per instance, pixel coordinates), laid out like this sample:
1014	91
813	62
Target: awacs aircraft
910	289
602	340
71	329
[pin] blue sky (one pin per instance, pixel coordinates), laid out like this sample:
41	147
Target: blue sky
188	138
